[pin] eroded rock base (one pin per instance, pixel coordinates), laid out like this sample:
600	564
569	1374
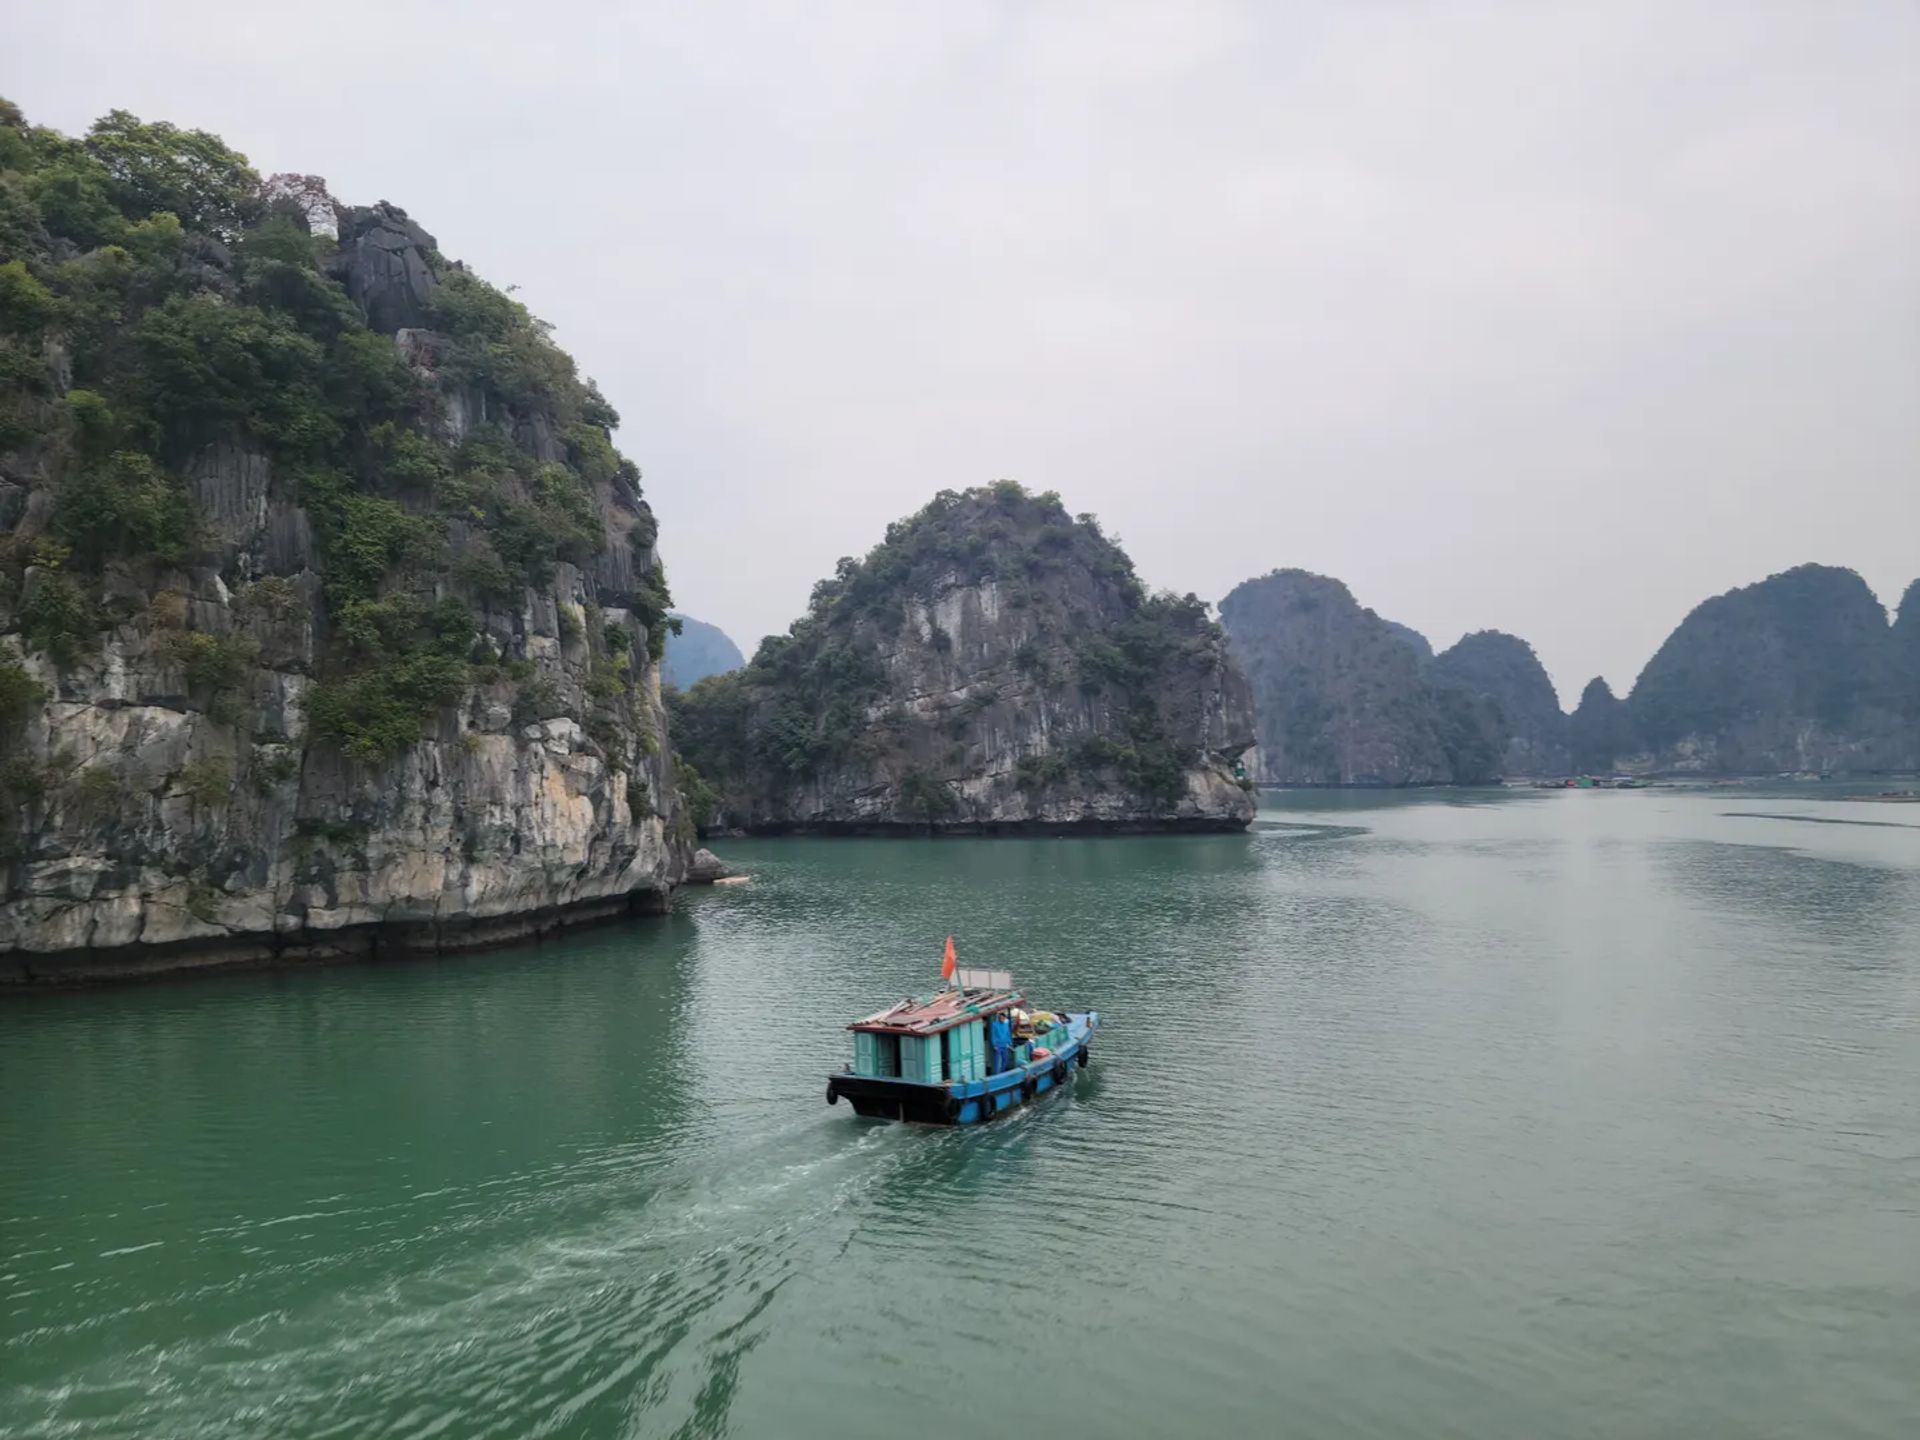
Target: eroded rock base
394	940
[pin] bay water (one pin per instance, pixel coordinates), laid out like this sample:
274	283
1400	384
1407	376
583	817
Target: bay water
1470	1114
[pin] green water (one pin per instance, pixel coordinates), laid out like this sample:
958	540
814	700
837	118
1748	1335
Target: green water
1499	1115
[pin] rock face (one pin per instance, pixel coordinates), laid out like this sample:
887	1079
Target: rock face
1343	698
1412	638
707	867
363	660
1798	672
697	651
1600	731
1503	669
387	263
994	666
1906	653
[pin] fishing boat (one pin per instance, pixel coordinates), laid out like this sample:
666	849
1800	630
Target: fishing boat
934	1061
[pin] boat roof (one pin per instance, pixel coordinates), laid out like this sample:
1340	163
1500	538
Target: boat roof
944	1011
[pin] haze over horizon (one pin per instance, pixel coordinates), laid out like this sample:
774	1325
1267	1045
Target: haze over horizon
1550	319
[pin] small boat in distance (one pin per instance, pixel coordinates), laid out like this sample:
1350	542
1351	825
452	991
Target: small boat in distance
935	1061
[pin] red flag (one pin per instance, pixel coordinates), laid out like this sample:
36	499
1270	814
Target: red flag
947	961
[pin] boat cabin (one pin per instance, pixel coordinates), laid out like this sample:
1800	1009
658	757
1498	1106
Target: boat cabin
934	1041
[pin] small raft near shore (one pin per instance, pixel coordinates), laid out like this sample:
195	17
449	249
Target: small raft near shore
931	1061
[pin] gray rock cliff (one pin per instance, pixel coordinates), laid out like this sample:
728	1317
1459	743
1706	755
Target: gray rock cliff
389	265
1600	731
993	667
1343	697
392	688
1798	672
1503	668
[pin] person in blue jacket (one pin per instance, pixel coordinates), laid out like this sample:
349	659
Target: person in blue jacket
1000	1036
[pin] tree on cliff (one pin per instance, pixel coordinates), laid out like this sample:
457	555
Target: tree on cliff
156	168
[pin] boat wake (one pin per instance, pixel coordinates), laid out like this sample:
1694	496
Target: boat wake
600	1293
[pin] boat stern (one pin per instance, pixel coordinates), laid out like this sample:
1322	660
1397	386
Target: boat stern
877	1097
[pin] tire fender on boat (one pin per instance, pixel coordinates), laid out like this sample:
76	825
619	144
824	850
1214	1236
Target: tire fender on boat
1086	1054
953	1108
833	1093
1060	1073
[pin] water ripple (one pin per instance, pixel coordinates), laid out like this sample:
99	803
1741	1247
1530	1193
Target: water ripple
1410	1118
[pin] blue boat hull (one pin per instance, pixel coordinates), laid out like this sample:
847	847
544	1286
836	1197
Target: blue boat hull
967	1102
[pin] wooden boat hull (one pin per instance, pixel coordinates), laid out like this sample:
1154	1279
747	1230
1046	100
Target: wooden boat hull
967	1102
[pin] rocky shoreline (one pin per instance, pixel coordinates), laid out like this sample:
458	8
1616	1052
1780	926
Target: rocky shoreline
34	971
1010	828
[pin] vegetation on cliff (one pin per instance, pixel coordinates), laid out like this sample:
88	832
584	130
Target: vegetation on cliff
1809	643
159	301
1905	662
1503	669
247	433
1600	731
993	661
1411	637
1798	671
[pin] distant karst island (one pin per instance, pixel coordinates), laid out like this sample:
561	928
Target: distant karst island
696	650
992	666
1801	672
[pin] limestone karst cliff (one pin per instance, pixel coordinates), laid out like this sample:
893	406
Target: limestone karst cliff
1800	671
1343	696
993	666
1600	731
329	617
1502	668
1905	654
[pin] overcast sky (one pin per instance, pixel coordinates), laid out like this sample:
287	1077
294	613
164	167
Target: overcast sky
1553	319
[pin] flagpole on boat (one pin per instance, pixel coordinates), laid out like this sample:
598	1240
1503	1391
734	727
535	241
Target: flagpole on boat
949	968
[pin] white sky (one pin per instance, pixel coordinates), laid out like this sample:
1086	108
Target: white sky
1550	318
